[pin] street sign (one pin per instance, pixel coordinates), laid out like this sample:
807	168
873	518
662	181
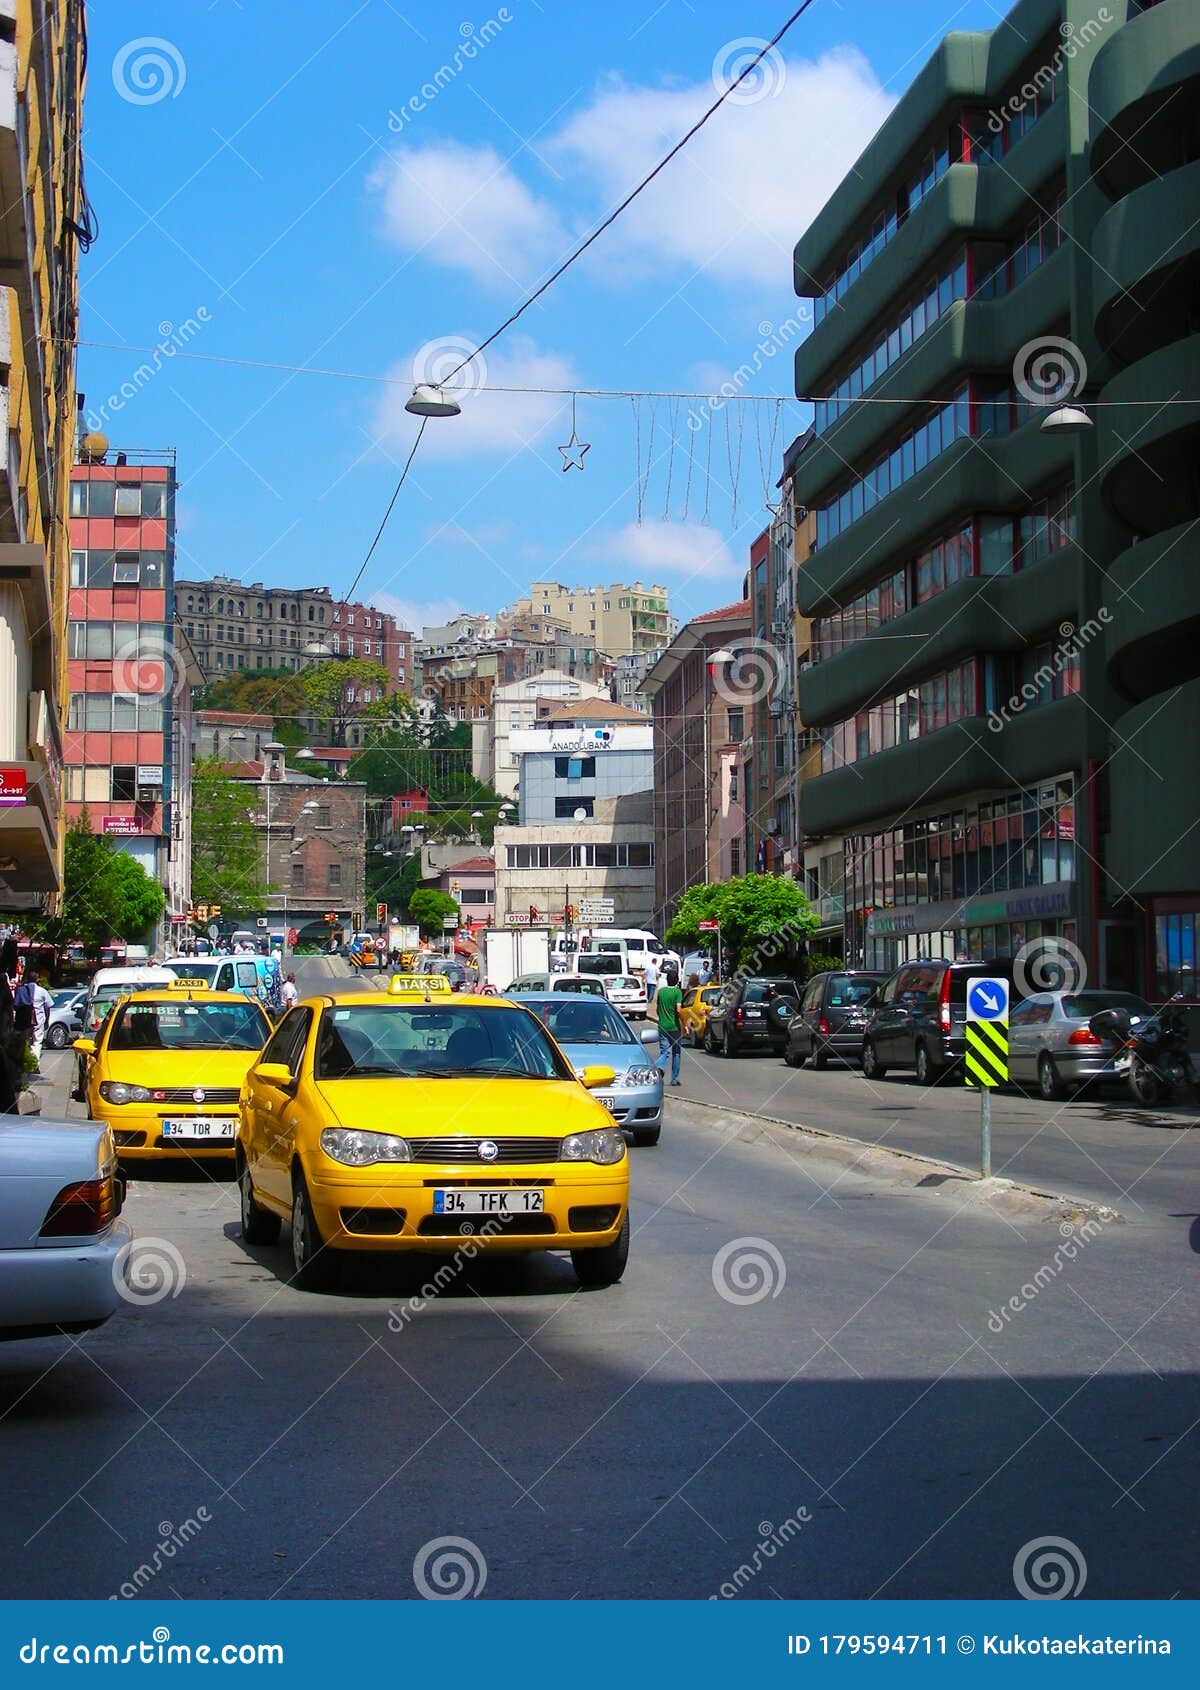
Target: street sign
450	924
987	1000
517	918
709	926
597	918
12	787
596	906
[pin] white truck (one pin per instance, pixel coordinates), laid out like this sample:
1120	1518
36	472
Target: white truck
509	952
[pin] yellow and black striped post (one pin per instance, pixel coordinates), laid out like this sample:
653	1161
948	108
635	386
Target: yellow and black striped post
986	1060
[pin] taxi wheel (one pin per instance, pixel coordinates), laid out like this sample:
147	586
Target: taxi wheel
314	1268
259	1226
595	1269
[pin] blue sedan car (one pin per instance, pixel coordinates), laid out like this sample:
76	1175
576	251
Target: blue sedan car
591	1031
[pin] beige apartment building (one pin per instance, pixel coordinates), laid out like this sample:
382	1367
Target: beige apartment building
615	619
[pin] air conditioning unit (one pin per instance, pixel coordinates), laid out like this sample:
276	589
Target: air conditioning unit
772	826
149	794
779	630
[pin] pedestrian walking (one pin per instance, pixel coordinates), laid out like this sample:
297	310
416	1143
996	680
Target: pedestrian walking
665	1009
651	976
32	1008
290	993
705	972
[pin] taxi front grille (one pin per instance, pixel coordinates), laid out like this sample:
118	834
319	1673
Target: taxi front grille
461	1149
183	1094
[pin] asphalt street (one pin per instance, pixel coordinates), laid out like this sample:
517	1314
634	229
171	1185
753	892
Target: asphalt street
810	1383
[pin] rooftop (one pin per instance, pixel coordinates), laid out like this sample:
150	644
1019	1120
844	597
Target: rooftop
472	865
589	709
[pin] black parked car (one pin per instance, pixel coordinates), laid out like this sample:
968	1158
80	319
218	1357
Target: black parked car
832	1017
752	1015
920	1019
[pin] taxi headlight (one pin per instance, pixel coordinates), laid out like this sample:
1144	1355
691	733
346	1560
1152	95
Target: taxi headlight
115	1091
641	1077
359	1149
604	1145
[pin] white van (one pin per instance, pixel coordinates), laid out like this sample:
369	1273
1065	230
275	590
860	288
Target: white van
582	985
109	984
245	974
633	944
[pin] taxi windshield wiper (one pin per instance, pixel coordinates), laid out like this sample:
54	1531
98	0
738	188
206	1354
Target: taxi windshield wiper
375	1068
486	1072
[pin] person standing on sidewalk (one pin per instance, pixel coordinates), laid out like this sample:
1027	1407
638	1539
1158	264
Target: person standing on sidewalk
289	992
32	1008
665	1010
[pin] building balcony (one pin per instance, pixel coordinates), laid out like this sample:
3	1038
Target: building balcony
1149	449
1142	94
996	613
1153	595
1153	845
1146	265
993	474
964	757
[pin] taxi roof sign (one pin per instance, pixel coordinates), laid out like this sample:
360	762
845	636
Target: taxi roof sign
403	985
199	983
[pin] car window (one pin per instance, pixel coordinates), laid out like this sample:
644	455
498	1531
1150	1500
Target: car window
247	974
224	980
585	1021
711	994
1080	1006
888	994
184	1025
287	1042
812	996
843	990
786	989
1022	1015
690	996
924	980
364	1041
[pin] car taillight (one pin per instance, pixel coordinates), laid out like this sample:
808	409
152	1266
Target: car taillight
1084	1036
944	1006
822	1026
739	1018
83	1209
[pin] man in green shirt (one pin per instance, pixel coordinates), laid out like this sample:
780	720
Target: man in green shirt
667	1000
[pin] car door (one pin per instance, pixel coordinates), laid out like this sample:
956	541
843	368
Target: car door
885	1023
268	1128
1022	1035
804	1035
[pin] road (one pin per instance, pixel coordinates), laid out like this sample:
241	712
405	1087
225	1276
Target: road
1105	1148
865	1414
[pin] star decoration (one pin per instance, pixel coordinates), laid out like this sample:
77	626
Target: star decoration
574	451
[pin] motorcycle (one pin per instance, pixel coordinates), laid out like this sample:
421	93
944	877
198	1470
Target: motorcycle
1152	1051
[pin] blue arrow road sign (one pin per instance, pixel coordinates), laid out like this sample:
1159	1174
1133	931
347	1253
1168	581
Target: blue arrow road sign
987	1000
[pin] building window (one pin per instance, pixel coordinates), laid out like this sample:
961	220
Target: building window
297	877
79	569
79	491
735	856
575	768
154	498
124	788
90	640
737	724
335	875
320	816
128	499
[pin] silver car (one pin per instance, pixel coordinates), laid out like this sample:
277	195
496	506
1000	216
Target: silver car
1051	1045
592	1033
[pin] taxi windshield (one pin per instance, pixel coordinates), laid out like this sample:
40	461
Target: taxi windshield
432	1041
583	1021
186	1025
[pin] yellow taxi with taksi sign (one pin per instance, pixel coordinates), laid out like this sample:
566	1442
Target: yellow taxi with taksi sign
418	1118
166	1066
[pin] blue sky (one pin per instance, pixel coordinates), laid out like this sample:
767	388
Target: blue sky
279	183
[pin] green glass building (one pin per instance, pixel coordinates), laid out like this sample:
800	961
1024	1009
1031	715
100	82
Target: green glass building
1005	659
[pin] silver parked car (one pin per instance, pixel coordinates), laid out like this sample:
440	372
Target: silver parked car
1050	1043
63	1244
66	1018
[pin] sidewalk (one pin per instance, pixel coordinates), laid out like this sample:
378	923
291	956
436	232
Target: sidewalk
50	1096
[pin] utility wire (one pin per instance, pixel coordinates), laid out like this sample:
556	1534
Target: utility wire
395	495
634	192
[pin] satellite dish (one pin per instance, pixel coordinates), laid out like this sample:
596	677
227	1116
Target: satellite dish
581	814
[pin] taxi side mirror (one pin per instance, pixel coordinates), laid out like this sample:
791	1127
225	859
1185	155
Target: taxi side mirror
274	1074
85	1047
594	1077
650	1036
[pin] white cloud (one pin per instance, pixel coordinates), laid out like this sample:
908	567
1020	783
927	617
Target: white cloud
732	204
736	199
412	614
655	548
491	422
464	207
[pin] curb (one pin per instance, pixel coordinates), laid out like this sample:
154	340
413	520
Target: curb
919	1173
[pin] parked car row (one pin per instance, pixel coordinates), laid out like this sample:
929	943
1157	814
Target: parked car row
914	1020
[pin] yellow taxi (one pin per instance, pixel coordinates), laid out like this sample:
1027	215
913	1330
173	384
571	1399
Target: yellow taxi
693	1011
166	1066
418	1119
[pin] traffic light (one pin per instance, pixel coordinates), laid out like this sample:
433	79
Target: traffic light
570	913
381	912
533	912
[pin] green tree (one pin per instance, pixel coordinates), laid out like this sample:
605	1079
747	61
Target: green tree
227	858
759	914
428	908
140	900
332	691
